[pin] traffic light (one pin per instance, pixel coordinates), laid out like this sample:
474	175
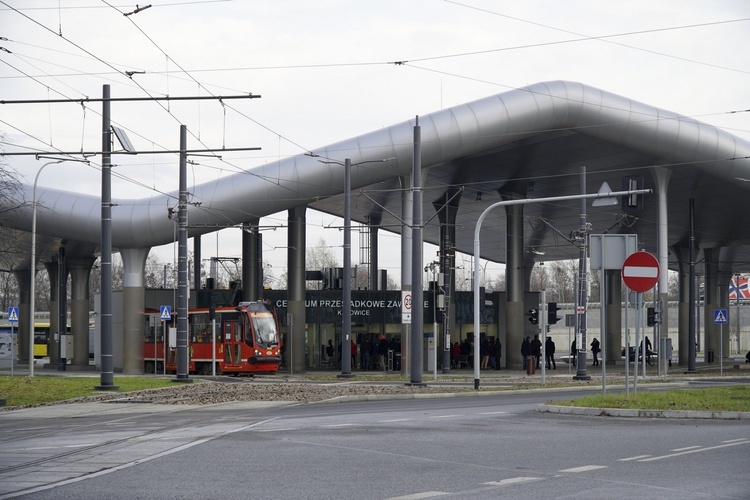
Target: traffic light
552	316
534	316
652	317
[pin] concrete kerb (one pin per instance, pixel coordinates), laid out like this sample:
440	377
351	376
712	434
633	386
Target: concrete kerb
621	412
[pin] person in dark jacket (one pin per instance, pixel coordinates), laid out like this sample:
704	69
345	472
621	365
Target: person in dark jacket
536	350
549	353
525	351
595	351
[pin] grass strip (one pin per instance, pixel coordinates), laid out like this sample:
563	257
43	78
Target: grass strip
733	398
21	391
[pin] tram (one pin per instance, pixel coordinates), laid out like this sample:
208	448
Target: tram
247	340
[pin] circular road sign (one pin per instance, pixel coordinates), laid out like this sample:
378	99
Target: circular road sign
640	271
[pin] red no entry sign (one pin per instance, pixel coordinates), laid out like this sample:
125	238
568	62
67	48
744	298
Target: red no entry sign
640	271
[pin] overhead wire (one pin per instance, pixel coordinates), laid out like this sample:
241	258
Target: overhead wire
423	59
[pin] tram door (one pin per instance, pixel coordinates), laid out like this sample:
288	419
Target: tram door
232	343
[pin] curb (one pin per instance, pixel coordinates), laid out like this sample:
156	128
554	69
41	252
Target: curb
629	413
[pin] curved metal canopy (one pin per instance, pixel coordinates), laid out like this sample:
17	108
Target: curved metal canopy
527	142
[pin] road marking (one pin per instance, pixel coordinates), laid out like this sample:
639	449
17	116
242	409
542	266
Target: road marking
685	448
340	425
638	457
734	440
419	496
285	429
444	416
513	480
494	413
396	420
708	448
585	468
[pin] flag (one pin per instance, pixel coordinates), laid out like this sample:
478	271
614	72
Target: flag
738	289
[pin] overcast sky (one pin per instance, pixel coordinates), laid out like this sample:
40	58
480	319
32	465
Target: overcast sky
325	70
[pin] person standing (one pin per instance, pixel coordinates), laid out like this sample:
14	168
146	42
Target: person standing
549	353
574	352
595	351
484	352
525	351
536	351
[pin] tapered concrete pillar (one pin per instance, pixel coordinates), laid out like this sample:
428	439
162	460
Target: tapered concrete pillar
295	347
252	261
54	309
80	271
514	284
197	262
23	278
683	305
372	278
133	310
447	209
662	176
613	286
712	301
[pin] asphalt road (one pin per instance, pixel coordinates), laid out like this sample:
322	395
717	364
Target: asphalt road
494	446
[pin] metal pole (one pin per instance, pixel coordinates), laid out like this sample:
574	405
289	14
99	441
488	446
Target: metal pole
637	345
581	238
182	272
543	324
213	347
106	382
417	315
627	345
346	307
721	349
602	330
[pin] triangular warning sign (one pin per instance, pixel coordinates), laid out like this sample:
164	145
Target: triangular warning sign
13	315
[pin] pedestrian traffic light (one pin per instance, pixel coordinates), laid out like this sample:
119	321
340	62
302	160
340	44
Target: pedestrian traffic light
534	316
552	316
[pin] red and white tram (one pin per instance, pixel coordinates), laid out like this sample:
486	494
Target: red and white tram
247	340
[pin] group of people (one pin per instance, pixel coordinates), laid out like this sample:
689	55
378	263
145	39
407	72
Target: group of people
490	353
369	355
531	352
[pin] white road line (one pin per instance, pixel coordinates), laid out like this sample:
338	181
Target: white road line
685	448
419	496
395	420
637	457
341	425
444	416
708	448
734	440
493	413
286	429
585	468
513	480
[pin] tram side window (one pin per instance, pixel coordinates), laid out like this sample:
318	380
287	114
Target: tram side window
200	328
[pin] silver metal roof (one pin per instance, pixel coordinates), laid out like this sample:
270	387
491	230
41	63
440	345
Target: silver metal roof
531	141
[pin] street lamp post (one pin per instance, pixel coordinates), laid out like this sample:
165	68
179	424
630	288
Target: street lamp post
33	267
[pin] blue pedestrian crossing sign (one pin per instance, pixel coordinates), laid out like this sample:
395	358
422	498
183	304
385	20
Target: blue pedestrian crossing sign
720	316
165	313
13	314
